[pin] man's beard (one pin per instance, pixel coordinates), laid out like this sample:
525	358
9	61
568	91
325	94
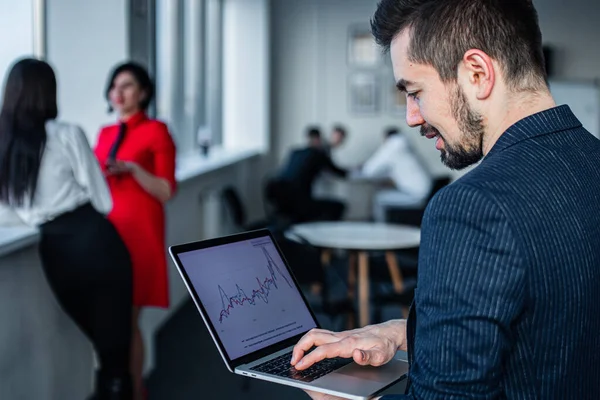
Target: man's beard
470	149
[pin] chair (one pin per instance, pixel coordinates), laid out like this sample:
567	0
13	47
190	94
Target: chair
305	262
282	199
414	215
407	259
237	212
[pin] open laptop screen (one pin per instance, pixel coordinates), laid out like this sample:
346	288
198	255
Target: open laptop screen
248	294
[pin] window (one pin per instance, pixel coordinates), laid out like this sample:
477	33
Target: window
188	70
21	27
246	76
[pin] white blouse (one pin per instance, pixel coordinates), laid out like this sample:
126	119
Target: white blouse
69	177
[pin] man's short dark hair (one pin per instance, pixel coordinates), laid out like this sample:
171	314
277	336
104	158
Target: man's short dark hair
443	30
313	133
340	129
391	132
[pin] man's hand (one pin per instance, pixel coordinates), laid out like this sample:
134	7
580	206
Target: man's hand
372	345
321	396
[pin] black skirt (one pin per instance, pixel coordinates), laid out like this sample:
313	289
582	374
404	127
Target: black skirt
89	270
84	247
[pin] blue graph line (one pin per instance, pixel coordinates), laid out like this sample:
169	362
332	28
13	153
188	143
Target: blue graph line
262	293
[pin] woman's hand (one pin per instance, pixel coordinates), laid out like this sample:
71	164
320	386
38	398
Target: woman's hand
119	167
157	187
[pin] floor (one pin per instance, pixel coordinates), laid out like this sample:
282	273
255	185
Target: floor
190	367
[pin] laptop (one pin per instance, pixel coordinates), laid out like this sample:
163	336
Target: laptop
256	313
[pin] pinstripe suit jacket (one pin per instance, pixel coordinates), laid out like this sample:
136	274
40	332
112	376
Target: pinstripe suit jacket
508	303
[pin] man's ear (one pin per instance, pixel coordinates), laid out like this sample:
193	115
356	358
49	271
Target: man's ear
478	72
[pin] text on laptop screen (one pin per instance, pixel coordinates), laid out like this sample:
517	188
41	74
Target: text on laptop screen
248	293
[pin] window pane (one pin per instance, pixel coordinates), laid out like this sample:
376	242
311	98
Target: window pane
188	69
213	90
16	31
194	52
169	66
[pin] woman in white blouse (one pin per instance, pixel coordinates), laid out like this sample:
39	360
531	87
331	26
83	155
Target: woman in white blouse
49	178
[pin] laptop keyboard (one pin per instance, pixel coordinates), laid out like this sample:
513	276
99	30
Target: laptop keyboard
280	366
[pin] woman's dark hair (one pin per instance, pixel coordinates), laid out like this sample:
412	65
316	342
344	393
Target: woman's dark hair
29	101
141	76
441	31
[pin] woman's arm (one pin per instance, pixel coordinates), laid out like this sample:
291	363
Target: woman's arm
160	183
156	186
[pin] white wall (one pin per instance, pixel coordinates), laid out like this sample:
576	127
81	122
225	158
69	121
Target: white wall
310	70
85	40
310	80
572	29
246	83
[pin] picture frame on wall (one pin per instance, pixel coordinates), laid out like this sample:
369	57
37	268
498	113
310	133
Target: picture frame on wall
362	49
363	93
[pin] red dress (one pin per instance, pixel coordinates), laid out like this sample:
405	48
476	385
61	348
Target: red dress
137	215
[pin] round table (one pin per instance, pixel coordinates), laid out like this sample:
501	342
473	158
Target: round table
358	238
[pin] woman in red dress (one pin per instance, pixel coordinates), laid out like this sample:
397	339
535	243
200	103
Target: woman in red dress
138	157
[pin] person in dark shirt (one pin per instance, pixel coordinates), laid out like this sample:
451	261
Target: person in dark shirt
291	190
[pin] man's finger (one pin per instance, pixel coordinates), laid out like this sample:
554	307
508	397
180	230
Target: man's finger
315	337
331	350
373	357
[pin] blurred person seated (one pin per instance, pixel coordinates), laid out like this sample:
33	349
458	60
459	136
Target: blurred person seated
396	161
291	190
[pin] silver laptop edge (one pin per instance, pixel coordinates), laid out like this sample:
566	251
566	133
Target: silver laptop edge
190	291
401	370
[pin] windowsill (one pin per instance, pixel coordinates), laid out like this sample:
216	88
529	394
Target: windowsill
189	166
13	238
193	164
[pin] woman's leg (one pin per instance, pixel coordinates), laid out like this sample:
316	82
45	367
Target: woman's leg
89	269
112	340
137	356
98	298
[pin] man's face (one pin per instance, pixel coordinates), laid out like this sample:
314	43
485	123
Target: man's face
441	110
337	138
315	141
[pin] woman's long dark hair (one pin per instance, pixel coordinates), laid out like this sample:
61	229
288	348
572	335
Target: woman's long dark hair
29	101
141	76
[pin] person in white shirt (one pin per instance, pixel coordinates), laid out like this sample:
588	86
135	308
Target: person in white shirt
395	160
50	179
